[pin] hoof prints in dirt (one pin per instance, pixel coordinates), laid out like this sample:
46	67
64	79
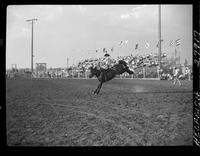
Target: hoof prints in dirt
65	113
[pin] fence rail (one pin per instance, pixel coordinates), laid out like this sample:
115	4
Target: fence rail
145	73
78	74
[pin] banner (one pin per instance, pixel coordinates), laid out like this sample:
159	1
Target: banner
178	42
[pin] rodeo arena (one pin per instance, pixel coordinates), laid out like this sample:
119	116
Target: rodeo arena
130	100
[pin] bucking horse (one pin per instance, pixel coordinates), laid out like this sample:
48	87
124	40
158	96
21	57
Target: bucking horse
104	75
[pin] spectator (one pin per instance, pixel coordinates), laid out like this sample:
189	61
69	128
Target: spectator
176	76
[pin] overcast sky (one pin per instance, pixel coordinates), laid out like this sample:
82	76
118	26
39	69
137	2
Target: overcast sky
63	31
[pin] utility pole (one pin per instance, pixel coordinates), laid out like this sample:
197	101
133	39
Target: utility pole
159	36
67	62
32	22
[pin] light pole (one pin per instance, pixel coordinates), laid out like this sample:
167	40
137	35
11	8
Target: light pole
159	37
67	62
32	21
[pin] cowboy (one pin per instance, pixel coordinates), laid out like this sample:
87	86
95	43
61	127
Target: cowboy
176	76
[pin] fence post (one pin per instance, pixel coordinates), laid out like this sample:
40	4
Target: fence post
189	74
79	74
143	72
158	72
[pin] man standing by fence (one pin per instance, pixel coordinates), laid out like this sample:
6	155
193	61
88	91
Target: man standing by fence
176	76
188	72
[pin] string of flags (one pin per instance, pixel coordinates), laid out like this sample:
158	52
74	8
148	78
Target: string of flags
121	43
104	50
176	42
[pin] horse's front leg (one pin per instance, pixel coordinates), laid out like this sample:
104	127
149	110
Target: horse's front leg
99	87
96	91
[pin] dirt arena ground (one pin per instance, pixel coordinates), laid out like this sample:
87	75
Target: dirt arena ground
64	112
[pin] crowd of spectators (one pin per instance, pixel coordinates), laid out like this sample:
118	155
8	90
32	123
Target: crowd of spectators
135	63
142	65
132	61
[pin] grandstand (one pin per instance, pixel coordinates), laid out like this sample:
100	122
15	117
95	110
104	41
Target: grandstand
144	66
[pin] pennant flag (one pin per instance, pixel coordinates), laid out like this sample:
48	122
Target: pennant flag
104	50
126	41
158	43
121	43
112	49
147	45
136	46
178	42
171	43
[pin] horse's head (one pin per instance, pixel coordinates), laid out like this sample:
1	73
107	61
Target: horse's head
122	62
124	67
93	71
